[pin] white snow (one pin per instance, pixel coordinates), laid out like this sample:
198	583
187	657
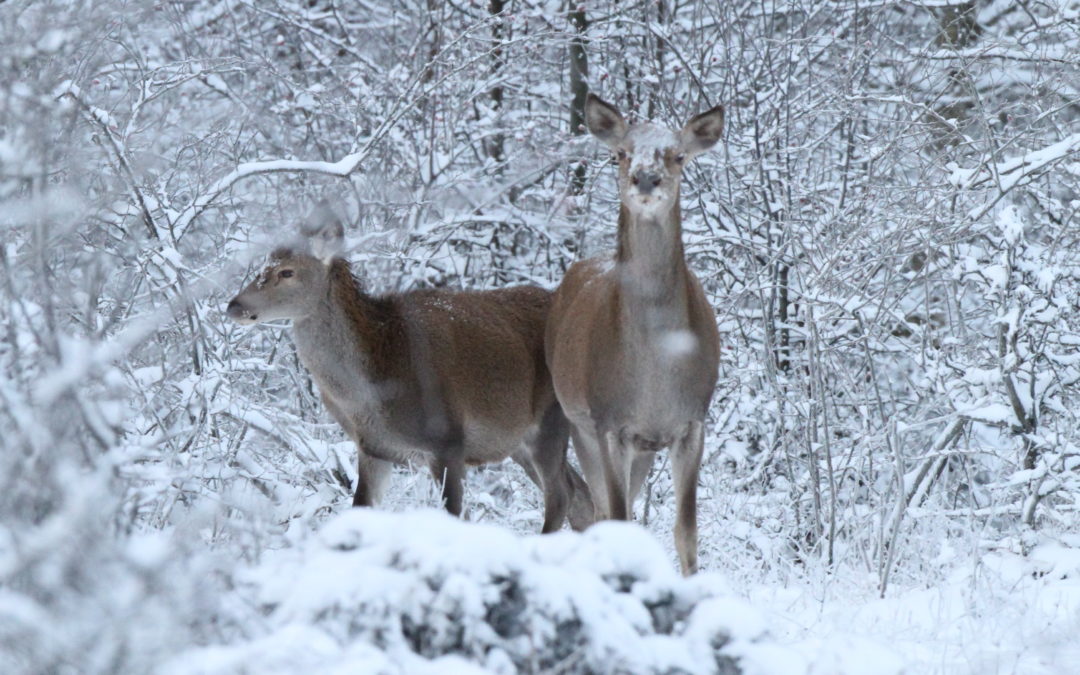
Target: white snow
1001	613
677	343
421	591
403	591
650	143
991	413
1010	172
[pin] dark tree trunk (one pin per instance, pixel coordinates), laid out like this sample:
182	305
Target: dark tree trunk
579	87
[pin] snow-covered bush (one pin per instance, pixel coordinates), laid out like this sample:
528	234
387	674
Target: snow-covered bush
399	588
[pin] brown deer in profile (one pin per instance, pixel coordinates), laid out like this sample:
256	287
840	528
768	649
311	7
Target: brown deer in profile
631	340
444	378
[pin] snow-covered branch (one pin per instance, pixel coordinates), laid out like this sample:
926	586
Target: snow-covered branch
1009	173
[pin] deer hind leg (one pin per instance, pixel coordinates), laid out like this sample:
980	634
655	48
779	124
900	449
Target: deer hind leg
371	478
525	457
568	494
543	457
588	450
685	466
582	513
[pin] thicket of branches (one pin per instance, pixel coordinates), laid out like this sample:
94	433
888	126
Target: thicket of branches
888	235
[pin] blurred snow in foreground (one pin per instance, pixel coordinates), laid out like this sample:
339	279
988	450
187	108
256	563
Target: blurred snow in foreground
419	592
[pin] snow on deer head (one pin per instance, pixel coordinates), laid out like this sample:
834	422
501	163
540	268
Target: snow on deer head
651	157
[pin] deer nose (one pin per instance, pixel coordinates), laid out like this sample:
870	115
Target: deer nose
236	311
645	181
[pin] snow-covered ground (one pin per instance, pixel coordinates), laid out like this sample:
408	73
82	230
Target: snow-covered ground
417	591
421	591
1003	613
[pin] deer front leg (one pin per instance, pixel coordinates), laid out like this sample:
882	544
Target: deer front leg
547	456
588	450
639	471
449	472
371	478
685	466
371	473
618	458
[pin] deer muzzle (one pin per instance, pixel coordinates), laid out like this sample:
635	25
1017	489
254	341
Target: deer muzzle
241	314
645	181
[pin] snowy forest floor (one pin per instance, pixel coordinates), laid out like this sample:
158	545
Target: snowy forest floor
406	588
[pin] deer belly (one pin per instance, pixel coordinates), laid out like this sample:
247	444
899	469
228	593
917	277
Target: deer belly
487	442
381	440
398	429
410	439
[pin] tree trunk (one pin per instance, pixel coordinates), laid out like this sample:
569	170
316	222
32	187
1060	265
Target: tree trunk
494	147
579	87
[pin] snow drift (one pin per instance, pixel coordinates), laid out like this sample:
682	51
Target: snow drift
389	592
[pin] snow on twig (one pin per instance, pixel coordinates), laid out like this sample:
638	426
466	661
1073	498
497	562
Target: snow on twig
1009	173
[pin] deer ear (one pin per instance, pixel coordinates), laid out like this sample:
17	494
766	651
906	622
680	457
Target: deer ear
324	233
703	131
603	120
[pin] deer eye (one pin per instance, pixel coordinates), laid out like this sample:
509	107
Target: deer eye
680	158
621	154
285	274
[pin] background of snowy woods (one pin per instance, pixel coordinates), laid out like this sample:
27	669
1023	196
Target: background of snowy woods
888	233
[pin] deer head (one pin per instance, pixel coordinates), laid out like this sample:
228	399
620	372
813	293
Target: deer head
651	157
296	277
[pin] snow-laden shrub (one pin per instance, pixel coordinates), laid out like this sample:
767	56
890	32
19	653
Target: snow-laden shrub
384	592
75	597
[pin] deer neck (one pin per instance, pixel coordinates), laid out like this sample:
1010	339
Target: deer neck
650	258
338	339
